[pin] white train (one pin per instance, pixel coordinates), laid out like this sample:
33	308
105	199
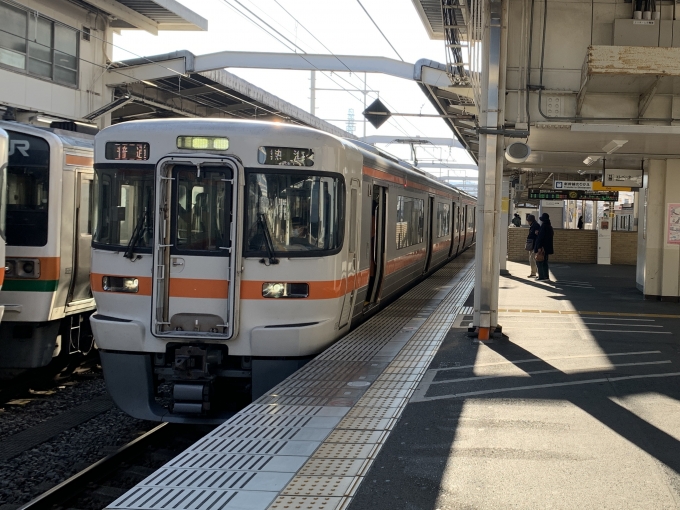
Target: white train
232	250
46	294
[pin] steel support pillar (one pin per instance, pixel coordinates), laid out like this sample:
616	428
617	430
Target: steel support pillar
487	258
506	214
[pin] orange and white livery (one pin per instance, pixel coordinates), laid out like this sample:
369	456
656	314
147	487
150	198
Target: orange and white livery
226	254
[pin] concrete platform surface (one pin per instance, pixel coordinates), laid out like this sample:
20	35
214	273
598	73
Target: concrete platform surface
578	408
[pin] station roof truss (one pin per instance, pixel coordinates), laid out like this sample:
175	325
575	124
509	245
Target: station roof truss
150	15
213	94
447	20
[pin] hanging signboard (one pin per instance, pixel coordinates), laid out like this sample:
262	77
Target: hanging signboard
598	186
559	185
552	203
598	196
673	232
619	177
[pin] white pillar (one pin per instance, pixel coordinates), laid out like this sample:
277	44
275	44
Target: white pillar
506	212
487	257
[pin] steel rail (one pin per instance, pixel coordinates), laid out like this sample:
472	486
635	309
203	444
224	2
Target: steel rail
77	483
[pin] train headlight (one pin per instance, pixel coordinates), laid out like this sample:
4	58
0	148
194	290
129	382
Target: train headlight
120	284
285	290
22	268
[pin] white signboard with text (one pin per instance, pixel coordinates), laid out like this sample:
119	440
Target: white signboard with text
559	185
618	177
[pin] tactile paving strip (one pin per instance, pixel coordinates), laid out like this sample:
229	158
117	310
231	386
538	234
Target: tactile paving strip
308	443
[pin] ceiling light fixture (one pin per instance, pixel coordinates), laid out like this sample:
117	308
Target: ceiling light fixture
614	145
591	159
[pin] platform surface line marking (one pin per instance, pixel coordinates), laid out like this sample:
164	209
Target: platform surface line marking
549	385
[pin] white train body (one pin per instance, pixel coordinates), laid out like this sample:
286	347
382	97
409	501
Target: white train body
240	263
46	291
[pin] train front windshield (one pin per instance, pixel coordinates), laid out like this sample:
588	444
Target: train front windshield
301	213
123	208
28	175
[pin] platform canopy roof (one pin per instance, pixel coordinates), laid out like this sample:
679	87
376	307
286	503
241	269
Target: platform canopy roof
150	15
211	93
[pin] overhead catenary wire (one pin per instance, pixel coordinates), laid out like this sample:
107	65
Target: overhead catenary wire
381	32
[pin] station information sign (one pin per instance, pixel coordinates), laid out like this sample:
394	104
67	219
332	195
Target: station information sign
560	185
597	196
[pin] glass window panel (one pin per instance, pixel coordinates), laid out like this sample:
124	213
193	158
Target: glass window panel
203	209
13	20
123	207
65	40
299	212
12	42
443	220
27	191
410	221
65	75
40	35
10	58
40	68
86	207
64	60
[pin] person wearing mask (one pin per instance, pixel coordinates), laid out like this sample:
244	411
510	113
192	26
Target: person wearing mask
544	244
580	223
516	220
531	243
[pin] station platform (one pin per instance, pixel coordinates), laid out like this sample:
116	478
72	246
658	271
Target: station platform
577	406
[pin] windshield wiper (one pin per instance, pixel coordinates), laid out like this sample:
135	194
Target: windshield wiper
141	226
135	237
262	220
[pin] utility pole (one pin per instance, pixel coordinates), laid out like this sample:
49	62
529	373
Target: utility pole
312	94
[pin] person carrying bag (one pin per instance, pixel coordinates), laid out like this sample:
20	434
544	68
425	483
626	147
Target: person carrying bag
544	247
531	242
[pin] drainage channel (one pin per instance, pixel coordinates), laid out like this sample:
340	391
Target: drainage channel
309	441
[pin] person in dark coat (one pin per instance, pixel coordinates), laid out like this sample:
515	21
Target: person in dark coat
533	234
544	241
580	223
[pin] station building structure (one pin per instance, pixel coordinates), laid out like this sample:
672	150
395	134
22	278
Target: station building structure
589	86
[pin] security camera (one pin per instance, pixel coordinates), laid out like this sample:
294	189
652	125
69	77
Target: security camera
517	152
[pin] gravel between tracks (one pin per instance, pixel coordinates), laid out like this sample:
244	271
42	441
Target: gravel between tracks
36	470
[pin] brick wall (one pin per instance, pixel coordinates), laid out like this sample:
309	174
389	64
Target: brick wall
576	246
624	248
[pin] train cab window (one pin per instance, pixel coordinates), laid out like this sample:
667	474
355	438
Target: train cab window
27	190
300	212
410	221
443	219
203	203
123	208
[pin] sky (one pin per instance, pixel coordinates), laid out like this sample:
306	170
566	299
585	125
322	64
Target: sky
340	27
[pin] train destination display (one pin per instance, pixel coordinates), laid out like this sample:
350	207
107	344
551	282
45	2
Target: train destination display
127	151
549	194
285	156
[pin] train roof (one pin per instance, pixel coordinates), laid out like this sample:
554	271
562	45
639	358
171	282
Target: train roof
68	138
252	127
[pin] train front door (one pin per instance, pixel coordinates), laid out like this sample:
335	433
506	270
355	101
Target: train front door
195	289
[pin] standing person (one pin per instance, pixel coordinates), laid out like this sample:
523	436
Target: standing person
580	223
531	242
516	220
544	243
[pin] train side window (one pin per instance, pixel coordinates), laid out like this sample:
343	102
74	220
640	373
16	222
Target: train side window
86	207
443	219
410	221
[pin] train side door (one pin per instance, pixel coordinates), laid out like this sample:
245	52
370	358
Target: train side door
195	289
430	233
80	278
463	226
378	242
352	243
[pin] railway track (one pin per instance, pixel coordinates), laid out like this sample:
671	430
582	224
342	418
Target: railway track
105	480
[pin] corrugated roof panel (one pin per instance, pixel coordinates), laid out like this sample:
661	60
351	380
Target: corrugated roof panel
170	13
